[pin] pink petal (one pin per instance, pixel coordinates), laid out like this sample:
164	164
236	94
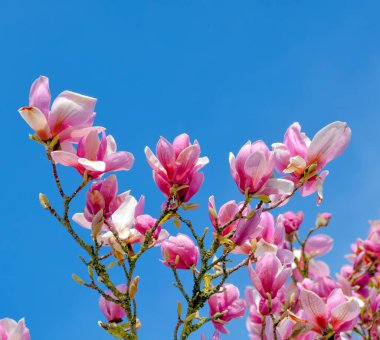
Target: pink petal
90	165
121	160
153	161
195	184
318	245
295	141
315	309
70	109
165	154
37	121
328	143
185	162
256	281
344	313
281	156
65	158
180	143
39	95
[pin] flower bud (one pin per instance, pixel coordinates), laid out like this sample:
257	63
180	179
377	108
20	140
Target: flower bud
323	220
292	221
44	201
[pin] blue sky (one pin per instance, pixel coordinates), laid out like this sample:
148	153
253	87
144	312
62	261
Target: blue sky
222	71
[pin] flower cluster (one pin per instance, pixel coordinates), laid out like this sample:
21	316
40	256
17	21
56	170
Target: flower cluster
293	295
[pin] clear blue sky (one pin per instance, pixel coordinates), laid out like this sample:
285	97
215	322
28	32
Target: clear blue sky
222	71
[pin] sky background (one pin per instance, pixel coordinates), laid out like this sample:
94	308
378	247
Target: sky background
224	72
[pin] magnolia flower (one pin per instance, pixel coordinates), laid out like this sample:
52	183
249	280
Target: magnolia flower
252	170
94	156
112	311
102	195
12	330
180	251
338	313
71	115
177	164
298	153
291	221
226	301
269	276
244	228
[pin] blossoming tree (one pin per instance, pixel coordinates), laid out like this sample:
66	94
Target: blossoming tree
292	296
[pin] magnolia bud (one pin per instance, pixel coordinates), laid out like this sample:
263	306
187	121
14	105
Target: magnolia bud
44	201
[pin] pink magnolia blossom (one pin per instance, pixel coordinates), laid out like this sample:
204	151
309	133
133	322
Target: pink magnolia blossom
252	170
298	153
112	311
372	243
177	164
102	195
338	313
244	229
226	300
269	276
71	115
12	330
291	221
145	223
94	155
182	249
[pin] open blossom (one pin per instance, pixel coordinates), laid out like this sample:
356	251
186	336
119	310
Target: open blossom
94	155
177	164
226	300
180	251
270	275
245	229
338	313
12	330
297	153
70	117
318	245
102	195
112	311
252	170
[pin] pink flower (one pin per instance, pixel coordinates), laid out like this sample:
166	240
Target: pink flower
112	311
245	229
226	300
93	155
144	223
269	276
338	314
298	153
291	221
12	330
102	195
252	170
177	164
71	114
182	249
372	244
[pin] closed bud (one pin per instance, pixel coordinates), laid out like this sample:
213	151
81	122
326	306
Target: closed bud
77	279
133	287
44	201
323	220
97	223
